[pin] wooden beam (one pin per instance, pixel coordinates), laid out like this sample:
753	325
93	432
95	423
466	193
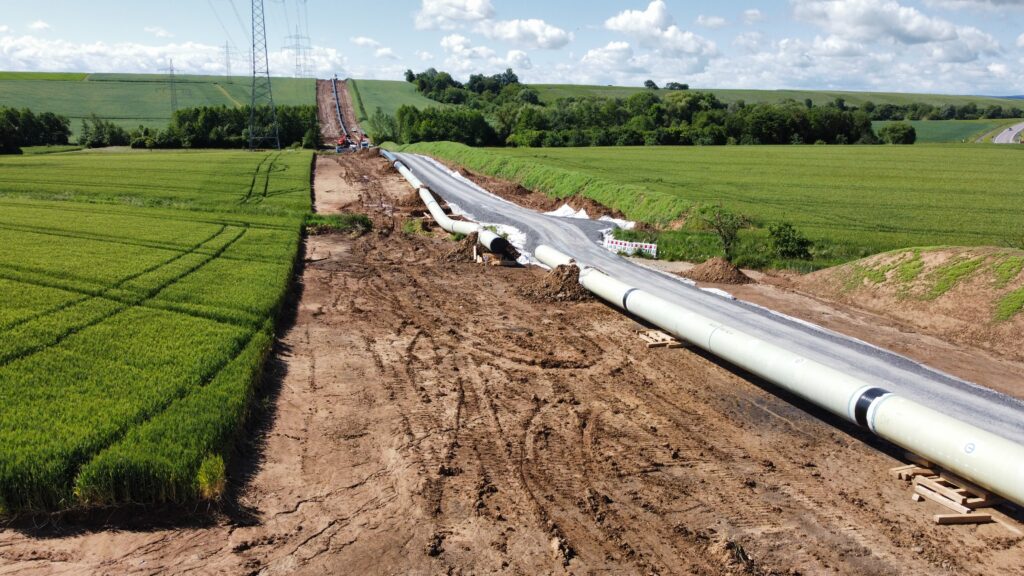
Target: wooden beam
975	518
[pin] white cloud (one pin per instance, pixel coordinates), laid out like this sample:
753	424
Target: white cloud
364	41
874	19
836	47
752	16
515	59
969	45
712	22
464	58
385	52
449	14
158	32
1020	41
999	70
424	56
613	63
533	33
5	29
975	4
39	25
32	53
676	50
654	18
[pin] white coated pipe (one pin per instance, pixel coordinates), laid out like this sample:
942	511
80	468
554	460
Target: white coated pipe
984	458
442	219
551	257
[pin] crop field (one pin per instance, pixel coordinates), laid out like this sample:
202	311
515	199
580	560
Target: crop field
945	131
389	95
139	296
852	201
133	99
551	92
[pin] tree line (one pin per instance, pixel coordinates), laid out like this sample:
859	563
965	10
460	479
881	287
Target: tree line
19	128
500	111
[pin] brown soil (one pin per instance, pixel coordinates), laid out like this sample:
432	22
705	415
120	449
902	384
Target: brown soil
330	130
463	250
425	419
348	111
560	285
966	314
717	271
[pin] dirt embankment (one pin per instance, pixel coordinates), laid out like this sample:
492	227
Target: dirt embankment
427	419
962	295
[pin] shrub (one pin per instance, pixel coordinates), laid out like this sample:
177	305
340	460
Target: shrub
898	133
788	242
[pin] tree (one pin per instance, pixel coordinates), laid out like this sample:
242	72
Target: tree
788	242
650	85
410	76
382	127
898	133
676	86
726	225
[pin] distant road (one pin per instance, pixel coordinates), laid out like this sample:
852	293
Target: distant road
1009	135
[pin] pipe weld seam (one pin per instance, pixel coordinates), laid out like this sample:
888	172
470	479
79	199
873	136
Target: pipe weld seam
625	297
864	402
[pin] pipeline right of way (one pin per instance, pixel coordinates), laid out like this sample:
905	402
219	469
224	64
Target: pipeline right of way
986	459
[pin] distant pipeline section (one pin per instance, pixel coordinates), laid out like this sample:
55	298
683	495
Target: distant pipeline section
337	107
984	458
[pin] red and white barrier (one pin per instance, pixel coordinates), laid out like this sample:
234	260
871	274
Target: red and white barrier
622	246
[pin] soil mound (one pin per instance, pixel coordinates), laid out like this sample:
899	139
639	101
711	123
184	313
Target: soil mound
560	285
463	250
717	271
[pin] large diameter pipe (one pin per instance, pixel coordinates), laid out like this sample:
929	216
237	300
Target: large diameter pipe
492	241
442	219
984	458
551	258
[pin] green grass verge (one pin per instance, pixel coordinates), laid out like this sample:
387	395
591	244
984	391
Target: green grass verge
1010	305
140	290
338	223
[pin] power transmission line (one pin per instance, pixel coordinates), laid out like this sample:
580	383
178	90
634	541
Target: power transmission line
227	63
262	94
301	47
172	86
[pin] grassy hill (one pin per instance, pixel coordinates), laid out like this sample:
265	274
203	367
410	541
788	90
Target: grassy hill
852	201
389	95
133	99
550	92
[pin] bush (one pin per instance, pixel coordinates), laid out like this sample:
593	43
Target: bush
898	133
788	243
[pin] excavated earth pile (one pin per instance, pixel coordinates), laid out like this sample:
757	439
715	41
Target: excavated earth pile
717	271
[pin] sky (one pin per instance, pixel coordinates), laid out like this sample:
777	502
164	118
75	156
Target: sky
940	46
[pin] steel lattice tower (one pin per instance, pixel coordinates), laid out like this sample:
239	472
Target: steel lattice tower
172	86
262	95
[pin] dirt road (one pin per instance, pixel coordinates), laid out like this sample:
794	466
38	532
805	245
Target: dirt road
425	417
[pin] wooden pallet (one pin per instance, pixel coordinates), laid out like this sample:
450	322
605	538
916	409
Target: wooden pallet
960	496
658	339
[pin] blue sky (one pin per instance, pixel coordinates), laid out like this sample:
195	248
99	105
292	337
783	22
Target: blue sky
948	46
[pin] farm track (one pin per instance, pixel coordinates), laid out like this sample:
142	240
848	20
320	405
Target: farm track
428	419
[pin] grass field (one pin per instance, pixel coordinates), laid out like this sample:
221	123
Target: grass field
133	99
852	201
550	92
389	95
139	290
945	131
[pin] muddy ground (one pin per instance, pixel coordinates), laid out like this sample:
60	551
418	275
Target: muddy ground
422	416
330	130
